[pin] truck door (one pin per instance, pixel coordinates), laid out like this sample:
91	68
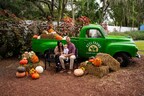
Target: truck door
93	43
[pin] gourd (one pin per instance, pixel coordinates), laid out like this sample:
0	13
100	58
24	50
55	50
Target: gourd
58	37
91	60
19	75
21	69
39	69
32	71
34	59
97	62
23	61
50	30
35	36
35	75
78	72
82	68
26	54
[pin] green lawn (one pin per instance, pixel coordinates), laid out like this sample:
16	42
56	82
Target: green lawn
140	45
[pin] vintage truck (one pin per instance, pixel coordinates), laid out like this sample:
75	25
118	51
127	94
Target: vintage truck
92	40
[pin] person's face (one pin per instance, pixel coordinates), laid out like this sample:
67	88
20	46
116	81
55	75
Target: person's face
60	44
68	39
65	46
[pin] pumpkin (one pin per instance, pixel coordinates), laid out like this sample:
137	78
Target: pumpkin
78	72
19	75
31	53
21	69
23	61
39	69
26	54
34	59
35	36
58	37
51	30
97	62
90	60
35	75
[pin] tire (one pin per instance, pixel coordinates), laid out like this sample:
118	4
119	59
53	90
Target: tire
123	59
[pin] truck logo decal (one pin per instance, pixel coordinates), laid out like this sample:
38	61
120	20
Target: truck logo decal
93	46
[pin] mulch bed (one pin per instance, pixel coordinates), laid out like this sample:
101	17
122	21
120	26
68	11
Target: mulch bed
128	81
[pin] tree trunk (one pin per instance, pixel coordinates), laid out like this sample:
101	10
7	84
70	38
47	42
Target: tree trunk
59	11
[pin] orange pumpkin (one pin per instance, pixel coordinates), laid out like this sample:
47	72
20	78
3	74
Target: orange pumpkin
58	37
35	36
91	60
23	61
34	59
97	62
35	75
50	30
19	75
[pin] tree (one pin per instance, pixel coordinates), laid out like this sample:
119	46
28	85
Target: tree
89	8
126	12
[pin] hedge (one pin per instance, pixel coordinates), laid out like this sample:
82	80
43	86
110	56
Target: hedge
136	35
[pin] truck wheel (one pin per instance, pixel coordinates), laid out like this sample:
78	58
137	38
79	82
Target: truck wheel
123	59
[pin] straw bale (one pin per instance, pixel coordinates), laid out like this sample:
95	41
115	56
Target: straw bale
108	60
97	71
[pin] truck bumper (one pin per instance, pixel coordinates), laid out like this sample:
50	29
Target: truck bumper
138	55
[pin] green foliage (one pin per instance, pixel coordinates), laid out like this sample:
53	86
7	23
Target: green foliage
14	38
140	45
126	12
136	35
67	27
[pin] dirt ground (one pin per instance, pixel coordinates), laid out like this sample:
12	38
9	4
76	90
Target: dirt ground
128	81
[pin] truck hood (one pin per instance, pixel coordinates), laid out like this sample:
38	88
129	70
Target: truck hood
119	38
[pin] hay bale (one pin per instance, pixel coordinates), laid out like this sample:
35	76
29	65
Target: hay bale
108	60
97	71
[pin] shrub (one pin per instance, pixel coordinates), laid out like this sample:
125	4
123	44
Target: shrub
15	38
136	35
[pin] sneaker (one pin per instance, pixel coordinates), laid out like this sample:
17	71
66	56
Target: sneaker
62	71
69	72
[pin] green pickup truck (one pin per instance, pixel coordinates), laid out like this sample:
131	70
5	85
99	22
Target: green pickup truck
92	40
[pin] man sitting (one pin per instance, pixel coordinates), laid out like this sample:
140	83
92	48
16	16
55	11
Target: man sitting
70	55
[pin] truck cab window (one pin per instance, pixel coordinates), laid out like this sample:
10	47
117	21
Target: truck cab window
93	33
88	35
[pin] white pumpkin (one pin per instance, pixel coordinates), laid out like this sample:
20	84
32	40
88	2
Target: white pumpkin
39	69
78	72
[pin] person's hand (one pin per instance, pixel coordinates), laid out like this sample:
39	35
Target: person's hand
61	53
66	55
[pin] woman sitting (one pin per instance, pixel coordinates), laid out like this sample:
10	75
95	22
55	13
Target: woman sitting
58	51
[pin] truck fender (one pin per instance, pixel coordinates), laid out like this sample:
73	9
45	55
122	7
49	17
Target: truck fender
120	53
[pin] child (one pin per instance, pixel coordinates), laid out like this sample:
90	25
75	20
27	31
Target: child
66	51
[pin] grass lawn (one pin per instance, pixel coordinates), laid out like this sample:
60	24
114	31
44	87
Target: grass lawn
140	45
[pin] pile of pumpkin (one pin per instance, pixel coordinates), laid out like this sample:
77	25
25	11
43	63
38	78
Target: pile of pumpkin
100	65
29	65
46	35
